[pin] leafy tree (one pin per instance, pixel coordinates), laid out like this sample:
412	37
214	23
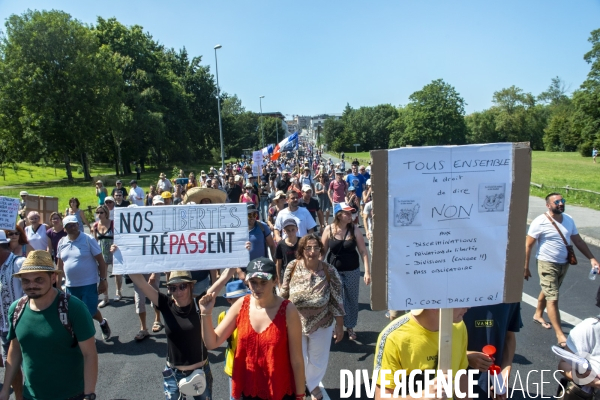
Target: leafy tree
434	116
332	128
481	127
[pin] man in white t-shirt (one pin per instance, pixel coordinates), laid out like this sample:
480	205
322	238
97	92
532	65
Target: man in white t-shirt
305	221
551	258
136	194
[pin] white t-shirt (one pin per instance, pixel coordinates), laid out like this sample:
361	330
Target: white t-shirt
38	240
303	218
134	193
551	247
164	185
584	340
368	211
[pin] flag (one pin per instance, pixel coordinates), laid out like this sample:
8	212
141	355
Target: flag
287	144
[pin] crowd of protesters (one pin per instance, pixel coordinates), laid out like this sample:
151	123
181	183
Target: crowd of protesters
299	290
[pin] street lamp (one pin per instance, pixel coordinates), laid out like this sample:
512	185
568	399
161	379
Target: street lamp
219	109
262	130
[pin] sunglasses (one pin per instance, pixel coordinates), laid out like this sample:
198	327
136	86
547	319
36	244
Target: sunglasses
108	202
174	288
251	215
561	201
99	212
13	234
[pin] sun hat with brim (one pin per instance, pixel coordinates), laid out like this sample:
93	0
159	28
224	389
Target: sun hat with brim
180	277
3	239
198	194
23	193
262	268
162	175
235	289
99	182
342	207
158	199
279	194
166	194
37	261
70	219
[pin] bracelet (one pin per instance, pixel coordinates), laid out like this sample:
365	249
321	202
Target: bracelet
205	315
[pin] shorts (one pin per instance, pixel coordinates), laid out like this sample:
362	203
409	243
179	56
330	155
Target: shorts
88	294
551	277
324	203
5	346
140	297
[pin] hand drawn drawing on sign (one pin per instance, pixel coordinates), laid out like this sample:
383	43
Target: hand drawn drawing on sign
491	197
406	212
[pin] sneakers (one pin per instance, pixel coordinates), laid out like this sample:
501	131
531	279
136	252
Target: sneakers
118	296
103	303
105	329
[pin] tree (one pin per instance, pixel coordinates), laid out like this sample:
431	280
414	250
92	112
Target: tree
434	116
481	127
586	100
55	82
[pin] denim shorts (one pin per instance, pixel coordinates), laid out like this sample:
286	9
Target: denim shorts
88	294
171	376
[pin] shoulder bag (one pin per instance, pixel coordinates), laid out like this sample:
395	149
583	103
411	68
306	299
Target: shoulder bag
569	390
571	259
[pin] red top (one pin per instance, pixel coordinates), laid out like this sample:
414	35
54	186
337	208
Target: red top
262	367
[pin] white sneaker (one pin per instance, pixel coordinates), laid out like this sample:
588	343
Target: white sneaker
103	303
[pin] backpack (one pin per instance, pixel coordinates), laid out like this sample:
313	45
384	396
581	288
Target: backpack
62	308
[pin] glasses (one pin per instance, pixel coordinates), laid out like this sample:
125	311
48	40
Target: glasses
9	234
251	215
99	212
561	201
313	248
174	288
108	202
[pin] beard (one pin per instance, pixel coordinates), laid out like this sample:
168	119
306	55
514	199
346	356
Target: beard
37	293
558	209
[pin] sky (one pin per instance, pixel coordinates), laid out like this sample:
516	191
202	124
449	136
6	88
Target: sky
312	57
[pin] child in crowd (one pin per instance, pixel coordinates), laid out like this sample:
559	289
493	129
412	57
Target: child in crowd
234	291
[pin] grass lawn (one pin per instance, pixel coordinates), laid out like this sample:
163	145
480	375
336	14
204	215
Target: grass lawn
38	181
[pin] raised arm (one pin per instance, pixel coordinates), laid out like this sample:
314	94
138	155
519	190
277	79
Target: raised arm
145	287
212	337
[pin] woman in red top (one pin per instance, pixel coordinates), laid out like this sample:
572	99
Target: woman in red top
268	362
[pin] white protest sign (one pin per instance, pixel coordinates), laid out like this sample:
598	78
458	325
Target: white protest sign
448	225
9	208
257	158
183	237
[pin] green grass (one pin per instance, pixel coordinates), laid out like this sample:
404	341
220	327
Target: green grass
556	170
40	182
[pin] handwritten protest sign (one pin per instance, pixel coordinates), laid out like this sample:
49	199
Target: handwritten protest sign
9	208
184	237
447	211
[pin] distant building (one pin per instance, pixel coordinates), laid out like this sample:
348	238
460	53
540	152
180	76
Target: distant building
317	123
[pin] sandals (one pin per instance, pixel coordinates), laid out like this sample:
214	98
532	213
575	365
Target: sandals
543	324
351	334
157	326
562	345
142	334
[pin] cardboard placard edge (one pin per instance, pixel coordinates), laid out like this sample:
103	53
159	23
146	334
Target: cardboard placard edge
379	262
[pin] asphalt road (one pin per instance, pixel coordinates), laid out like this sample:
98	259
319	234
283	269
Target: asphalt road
131	370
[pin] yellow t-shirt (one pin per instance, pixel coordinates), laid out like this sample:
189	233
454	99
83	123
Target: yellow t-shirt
231	346
404	344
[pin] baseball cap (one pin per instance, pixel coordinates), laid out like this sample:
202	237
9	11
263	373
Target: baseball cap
306	188
109	198
369	182
262	268
131	182
3	239
23	193
70	219
158	199
252	208
165	195
339	171
119	181
351	189
289	222
342	207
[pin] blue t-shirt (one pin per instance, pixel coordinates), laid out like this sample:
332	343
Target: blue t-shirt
488	325
258	240
359	187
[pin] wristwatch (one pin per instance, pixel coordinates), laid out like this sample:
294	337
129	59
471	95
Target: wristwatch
102	279
91	396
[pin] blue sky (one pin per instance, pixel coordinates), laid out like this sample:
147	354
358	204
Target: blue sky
310	57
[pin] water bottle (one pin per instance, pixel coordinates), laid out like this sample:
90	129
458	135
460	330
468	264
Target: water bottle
593	273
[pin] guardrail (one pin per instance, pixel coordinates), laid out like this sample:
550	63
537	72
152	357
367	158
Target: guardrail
566	188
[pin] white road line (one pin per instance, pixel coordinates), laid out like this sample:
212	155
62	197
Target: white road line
325	395
564	316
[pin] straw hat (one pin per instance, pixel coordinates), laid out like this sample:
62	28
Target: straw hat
180	277
37	261
198	194
162	175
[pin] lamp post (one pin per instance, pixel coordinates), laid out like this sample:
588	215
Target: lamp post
219	109
262	129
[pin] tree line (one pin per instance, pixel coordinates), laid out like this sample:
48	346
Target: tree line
111	93
554	120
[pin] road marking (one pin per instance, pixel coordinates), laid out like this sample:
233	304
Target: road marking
564	316
324	392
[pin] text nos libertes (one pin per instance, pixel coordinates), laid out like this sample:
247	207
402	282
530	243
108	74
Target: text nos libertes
181	229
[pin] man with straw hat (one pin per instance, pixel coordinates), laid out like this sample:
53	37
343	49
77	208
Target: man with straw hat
10	291
40	341
163	184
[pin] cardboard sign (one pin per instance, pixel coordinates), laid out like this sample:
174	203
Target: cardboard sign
45	205
183	237
449	225
9	209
